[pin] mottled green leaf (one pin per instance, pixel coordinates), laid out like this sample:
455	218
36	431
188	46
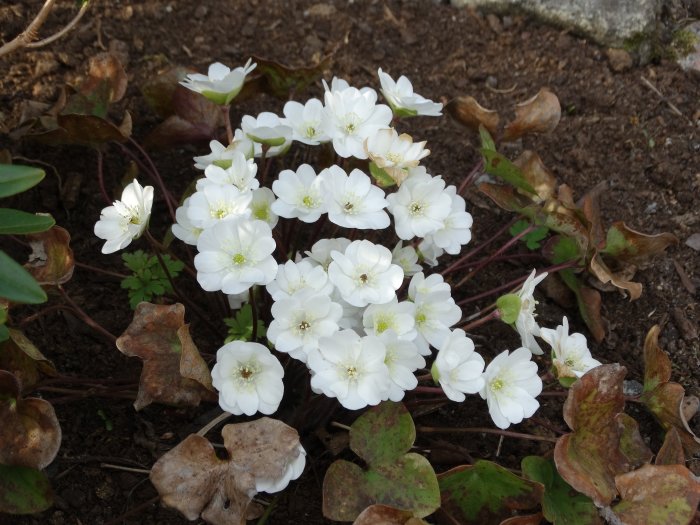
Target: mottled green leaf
625	244
24	490
383	433
499	166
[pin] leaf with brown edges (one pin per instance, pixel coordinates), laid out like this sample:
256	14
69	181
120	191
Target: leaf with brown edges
30	434
605	275
540	114
385	515
671	452
468	112
589	458
537	175
51	261
625	244
283	81
174	372
19	356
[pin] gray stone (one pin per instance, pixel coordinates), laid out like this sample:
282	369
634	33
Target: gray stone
691	61
609	22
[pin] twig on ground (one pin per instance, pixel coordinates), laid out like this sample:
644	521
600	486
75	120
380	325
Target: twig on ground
670	104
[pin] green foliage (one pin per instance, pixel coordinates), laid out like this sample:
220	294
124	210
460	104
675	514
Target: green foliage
531	239
240	327
16	179
509	306
24	490
380	175
148	279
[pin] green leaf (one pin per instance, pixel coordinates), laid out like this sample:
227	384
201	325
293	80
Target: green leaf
383	433
380	175
24	490
16	222
509	305
499	166
487	142
561	504
17	285
16	179
241	327
485	493
531	239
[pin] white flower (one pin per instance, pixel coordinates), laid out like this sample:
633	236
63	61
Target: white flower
352	200
429	252
456	228
240	173
458	367
295	276
352	315
525	324
220	156
350	368
420	206
402	99
436	311
216	203
236	300
270	130
220	84
300	320
570	354
350	116
126	219
321	250
395	153
261	206
407	258
292	471
511	385
183	229
235	255
299	194
394	315
242	143
364	275
402	359
305	121
248	378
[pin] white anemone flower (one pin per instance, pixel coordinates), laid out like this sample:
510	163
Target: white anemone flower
126	219
242	143
570	354
403	101
235	255
322	249
396	316
220	156
350	116
422	285
216	203
352	200
395	153
301	320
248	378
364	274
299	194
352	315
350	368
429	252
458	367
402	359
240	173
305	121
420	206
525	324
436	310
220	84
295	276
236	300
270	130
183	229
261	206
292	471
456	228
407	258
511	385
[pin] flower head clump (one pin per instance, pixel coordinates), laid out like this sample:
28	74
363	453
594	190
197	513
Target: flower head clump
220	84
299	194
248	378
350	368
570	354
525	324
306	121
458	367
352	200
126	219
395	153
511	385
403	101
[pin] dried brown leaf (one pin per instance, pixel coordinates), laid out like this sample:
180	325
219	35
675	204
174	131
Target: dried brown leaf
530	519
632	444
540	114
106	70
174	372
590	207
605	275
19	356
468	112
671	452
385	515
627	245
51	261
30	434
535	172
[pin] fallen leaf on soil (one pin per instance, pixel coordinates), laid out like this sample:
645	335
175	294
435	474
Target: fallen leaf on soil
628	245
106	74
484	494
589	458
468	112
657	495
51	261
687	329
540	114
19	356
30	435
671	452
384	515
405	481
589	205
665	399
618	279
174	372
24	490
535	172
193	480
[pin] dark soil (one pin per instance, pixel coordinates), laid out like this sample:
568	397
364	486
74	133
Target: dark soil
614	128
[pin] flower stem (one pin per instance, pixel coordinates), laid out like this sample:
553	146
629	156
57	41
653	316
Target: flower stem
428	390
86	318
471	176
100	270
495	314
484	430
254	311
214	422
226	110
101	179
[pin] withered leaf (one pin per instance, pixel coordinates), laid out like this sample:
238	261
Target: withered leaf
283	81
51	261
174	372
665	399
535	172
540	114
632	444
605	275
628	245
385	515
19	356
589	205
193	480
589	458
468	112
657	495
671	452
530	519
30	434
106	69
